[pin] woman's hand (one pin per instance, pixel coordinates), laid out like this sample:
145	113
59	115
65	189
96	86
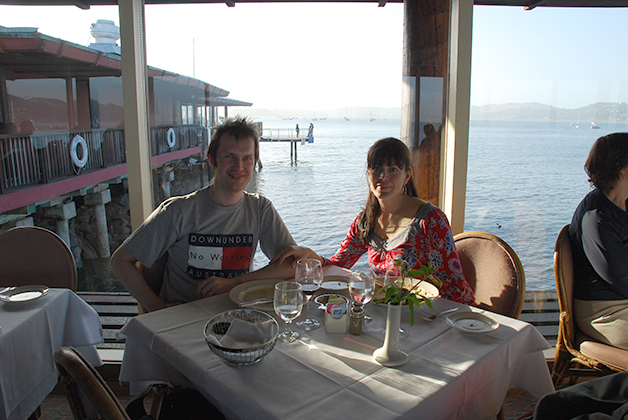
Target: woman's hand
297	252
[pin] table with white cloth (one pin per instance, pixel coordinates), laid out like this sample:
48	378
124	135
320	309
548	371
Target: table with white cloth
449	375
30	332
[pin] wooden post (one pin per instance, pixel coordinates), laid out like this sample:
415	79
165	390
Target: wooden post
425	67
136	119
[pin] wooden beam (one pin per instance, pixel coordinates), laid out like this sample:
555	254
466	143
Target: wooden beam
136	118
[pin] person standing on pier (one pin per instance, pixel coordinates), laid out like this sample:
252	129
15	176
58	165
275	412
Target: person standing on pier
210	235
297	130
310	133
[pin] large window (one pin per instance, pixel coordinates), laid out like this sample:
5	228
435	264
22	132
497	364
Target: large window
543	90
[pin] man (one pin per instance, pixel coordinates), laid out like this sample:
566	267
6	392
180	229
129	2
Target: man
211	234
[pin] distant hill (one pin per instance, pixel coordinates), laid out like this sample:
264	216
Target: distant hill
600	111
349	112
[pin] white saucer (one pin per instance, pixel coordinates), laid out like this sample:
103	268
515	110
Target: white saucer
23	293
472	322
335	283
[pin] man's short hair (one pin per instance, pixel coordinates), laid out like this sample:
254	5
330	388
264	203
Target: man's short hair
239	128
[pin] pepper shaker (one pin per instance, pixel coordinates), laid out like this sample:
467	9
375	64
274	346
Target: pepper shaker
356	324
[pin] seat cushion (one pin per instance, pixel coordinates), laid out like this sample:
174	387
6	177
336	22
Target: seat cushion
611	356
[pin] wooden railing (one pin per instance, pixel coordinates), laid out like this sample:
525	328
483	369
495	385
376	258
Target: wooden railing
45	156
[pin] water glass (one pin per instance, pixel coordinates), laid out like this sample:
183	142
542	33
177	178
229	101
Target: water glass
309	274
361	287
361	284
288	303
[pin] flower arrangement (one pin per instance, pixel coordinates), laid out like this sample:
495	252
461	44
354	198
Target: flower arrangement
406	292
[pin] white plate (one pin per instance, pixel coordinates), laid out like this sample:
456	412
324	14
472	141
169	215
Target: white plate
335	283
472	322
424	289
23	293
253	290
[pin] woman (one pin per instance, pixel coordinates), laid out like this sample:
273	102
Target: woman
599	239
396	223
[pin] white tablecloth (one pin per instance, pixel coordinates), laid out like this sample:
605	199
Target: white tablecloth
449	375
30	333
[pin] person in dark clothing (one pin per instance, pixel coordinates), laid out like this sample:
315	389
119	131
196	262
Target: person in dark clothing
599	239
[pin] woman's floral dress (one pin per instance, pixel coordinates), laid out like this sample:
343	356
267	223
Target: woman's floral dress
427	239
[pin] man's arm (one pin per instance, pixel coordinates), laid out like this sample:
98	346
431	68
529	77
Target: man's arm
124	268
216	285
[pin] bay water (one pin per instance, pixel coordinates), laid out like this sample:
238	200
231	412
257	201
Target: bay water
525	179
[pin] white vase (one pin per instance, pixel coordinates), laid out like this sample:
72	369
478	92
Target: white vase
389	354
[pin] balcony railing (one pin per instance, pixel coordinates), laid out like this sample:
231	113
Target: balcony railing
45	156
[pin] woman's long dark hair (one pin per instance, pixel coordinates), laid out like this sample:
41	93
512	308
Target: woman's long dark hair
388	151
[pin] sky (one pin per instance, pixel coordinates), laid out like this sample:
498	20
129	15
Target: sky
325	56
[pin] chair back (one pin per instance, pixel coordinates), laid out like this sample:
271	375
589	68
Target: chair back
88	394
494	272
154	276
564	276
34	255
572	344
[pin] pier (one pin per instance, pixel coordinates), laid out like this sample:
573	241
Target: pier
287	135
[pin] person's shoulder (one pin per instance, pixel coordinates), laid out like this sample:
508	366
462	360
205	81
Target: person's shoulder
428	210
179	201
255	199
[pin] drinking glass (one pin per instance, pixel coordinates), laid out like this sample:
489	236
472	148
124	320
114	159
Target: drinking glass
309	274
288	302
361	285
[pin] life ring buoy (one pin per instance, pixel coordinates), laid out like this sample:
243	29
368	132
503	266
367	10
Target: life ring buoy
74	151
171	138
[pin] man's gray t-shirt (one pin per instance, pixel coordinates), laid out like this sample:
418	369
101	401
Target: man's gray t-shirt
204	239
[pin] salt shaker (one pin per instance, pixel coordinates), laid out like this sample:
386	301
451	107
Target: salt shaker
356	324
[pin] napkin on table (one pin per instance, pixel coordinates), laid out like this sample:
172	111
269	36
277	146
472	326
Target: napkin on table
243	334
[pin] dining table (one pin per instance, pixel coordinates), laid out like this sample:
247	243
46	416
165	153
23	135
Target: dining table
450	374
30	333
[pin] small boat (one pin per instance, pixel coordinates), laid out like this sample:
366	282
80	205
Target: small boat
346	119
595	126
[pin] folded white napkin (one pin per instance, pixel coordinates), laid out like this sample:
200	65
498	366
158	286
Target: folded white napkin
243	334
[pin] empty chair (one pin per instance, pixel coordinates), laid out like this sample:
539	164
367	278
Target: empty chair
494	272
88	394
573	347
34	255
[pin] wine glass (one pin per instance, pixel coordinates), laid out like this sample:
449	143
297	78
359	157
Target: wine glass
361	285
309	274
393	276
288	302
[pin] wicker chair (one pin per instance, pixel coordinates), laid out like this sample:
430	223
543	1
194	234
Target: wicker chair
494	272
576	353
88	394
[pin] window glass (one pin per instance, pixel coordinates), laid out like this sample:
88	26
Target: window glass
38	104
543	90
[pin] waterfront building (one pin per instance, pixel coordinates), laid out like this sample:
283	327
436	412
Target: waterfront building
62	137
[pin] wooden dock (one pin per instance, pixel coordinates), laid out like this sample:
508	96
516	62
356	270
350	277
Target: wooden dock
289	136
